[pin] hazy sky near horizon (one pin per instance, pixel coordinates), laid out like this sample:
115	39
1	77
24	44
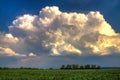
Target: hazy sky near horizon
48	33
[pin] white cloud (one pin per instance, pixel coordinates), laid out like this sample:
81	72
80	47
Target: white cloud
8	38
60	33
24	22
32	54
98	23
9	52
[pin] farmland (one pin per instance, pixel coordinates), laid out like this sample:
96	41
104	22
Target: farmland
37	74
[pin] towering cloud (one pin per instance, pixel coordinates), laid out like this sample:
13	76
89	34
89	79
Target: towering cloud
61	33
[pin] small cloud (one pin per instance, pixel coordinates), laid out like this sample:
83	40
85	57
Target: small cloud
32	54
11	38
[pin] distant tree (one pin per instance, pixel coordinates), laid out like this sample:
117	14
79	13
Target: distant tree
68	66
81	67
21	67
50	68
75	66
98	67
62	67
93	66
87	66
6	68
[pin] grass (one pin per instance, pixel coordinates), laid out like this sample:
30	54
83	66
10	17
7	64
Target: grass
34	74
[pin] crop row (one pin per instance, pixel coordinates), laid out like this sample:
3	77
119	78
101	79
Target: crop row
23	74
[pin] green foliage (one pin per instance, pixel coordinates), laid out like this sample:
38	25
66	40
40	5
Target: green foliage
98	67
76	66
93	67
87	66
62	67
81	67
68	66
36	74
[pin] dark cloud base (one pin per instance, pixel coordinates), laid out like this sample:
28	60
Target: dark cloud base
57	61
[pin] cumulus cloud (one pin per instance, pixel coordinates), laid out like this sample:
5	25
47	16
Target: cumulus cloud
25	22
32	54
8	38
9	52
62	33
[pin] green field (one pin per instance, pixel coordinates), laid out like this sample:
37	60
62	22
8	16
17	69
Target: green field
31	74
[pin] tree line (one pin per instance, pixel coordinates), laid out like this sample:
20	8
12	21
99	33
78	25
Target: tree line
5	68
68	66
76	66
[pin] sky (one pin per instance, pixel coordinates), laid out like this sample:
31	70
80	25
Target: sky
49	33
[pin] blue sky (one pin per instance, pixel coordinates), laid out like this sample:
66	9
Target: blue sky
37	33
